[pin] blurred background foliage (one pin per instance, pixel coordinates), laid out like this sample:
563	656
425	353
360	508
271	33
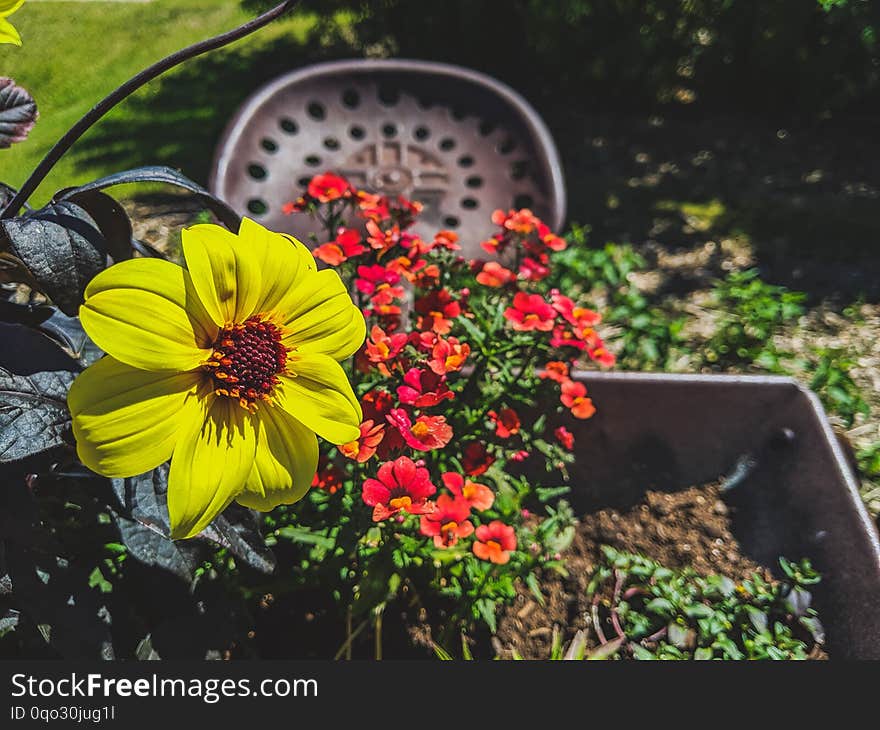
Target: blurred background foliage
729	55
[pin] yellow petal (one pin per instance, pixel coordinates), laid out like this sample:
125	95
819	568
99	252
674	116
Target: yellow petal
334	327
8	7
8	34
319	316
125	420
320	397
285	462
281	259
211	462
224	272
145	313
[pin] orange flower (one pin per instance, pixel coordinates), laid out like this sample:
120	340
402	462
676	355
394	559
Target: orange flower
494	542
382	348
329	187
518	221
348	243
447	240
437	310
478	496
448	522
426	434
506	422
555	370
363	447
574	397
448	356
495	275
530	312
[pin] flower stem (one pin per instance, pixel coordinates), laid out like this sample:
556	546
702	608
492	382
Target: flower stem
124	91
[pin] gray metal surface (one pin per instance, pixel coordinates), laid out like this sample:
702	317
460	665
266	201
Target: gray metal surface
801	500
456	140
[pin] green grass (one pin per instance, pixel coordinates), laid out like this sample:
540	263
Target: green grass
75	53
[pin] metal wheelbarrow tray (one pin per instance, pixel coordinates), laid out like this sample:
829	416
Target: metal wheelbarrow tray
460	142
800	499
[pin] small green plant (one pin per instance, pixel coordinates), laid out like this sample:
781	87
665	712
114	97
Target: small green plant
835	386
750	312
644	335
653	612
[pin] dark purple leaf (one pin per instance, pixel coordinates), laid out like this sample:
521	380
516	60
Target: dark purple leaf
18	113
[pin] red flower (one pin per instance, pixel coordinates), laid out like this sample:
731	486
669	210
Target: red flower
518	221
506	422
382	240
551	240
377	404
382	348
348	243
555	370
494	274
437	311
574	396
565	437
373	207
426	434
423	389
534	268
475	459
400	485
378	283
530	312
579	317
329	187
448	356
602	356
447	240
563	336
328	477
426	277
520	455
297	206
478	496
363	447
494	542
494	245
448	522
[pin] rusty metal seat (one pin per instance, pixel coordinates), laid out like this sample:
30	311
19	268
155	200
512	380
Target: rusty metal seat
459	141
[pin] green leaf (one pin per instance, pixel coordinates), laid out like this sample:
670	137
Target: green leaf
660	606
547	494
535	587
303	535
486	608
641	653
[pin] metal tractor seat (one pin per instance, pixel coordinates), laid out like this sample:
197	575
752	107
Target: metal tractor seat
458	141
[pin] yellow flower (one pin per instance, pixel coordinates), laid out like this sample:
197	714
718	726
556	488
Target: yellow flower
8	34
228	367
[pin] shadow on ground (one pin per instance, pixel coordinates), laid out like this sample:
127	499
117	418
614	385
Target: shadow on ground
802	198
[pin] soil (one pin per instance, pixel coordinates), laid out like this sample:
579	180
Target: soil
686	528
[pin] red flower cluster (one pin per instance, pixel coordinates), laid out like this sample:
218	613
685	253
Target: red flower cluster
412	365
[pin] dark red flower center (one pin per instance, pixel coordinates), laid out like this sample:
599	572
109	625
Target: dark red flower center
247	360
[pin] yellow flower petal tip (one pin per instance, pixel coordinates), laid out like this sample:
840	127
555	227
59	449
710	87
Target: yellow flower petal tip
229	367
8	33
